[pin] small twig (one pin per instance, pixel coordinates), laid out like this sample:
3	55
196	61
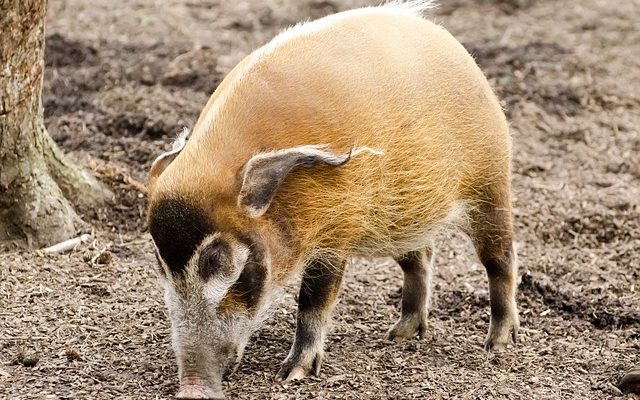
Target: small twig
67	245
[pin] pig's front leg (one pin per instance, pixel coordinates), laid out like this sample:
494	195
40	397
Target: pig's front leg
318	294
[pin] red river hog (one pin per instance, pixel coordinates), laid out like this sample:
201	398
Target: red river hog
360	134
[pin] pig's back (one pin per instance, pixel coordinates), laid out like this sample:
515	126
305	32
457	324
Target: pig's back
370	76
378	78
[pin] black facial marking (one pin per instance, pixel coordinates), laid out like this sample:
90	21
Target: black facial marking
251	281
255	249
214	258
177	228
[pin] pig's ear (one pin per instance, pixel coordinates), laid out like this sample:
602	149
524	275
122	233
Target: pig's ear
163	161
264	173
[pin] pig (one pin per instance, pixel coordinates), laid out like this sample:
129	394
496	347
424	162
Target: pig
359	134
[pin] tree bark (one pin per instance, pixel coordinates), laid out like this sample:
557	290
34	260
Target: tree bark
36	180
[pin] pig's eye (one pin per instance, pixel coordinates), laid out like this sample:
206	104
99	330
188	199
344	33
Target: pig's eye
213	259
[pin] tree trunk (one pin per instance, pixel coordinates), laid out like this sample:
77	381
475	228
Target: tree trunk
36	181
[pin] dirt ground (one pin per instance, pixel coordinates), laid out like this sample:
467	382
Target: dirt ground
122	79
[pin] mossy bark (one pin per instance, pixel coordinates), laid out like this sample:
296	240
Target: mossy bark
38	185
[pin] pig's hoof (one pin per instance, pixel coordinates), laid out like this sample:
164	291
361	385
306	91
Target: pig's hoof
297	373
500	336
294	371
406	328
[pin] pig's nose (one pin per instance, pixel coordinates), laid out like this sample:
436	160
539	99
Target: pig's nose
197	388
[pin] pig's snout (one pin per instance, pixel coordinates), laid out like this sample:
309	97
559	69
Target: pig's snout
193	387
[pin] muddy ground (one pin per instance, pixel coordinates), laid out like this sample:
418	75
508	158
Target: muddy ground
123	78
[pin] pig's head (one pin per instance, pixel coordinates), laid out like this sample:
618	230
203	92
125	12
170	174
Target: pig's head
215	256
214	281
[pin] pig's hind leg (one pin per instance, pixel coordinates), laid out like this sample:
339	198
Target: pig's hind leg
417	267
491	231
318	294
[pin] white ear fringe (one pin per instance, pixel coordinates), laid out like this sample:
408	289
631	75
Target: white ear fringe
316	150
364	149
181	140
177	145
